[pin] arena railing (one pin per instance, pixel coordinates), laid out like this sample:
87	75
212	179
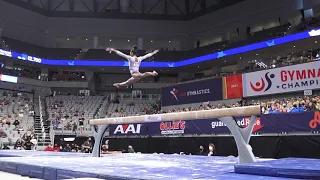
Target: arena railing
128	96
43	132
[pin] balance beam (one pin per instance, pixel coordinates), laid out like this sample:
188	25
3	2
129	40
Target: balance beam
241	135
189	115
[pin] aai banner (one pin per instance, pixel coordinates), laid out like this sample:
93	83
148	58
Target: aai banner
281	80
304	122
192	92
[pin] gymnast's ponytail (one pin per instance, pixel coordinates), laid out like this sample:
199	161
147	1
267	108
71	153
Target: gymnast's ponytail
134	50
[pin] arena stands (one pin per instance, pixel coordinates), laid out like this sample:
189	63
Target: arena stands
68	77
16	115
271	106
72	112
130	108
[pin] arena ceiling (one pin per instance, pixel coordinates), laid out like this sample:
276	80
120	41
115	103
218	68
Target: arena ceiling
181	10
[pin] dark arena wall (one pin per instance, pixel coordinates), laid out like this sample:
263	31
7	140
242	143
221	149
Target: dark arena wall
264	147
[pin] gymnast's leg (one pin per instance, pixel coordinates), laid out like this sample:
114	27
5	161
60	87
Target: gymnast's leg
126	83
146	74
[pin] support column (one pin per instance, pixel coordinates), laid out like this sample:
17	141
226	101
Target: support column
140	43
44	74
44	71
95	42
49	40
308	13
1	31
243	33
307	4
187	43
125	6
8	64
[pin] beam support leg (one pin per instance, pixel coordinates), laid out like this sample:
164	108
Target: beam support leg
98	140
242	138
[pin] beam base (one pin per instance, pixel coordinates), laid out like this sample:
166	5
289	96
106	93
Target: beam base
242	138
98	140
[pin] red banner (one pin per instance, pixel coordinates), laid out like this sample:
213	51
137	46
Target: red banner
233	87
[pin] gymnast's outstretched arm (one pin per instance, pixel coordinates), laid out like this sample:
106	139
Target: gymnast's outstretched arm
119	53
148	55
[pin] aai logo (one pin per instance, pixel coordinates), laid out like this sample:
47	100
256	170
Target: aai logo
264	84
128	129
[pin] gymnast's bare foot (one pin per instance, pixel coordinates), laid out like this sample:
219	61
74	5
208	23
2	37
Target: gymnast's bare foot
117	85
155	73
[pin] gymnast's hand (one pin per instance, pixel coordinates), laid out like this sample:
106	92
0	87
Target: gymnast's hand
155	51
110	50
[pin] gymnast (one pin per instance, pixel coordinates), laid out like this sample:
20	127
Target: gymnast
134	64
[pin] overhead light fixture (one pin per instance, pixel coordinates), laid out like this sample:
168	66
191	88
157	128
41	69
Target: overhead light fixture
169	41
128	40
68	39
257	54
294	46
86	39
110	40
151	41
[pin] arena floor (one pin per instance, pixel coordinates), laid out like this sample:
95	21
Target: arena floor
53	165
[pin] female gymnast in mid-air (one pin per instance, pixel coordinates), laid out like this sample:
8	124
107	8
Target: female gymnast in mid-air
134	64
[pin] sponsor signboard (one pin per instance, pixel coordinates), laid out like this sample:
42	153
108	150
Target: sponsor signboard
126	129
7	78
269	123
281	80
233	87
193	92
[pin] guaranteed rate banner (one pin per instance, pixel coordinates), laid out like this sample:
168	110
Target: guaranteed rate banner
193	92
282	80
270	123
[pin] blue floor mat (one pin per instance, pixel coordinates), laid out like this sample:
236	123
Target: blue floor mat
56	166
24	153
125	167
300	168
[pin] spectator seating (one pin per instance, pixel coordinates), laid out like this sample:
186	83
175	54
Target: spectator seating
64	109
67	77
272	106
15	106
130	107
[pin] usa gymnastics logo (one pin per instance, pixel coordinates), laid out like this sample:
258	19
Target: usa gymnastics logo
174	94
263	85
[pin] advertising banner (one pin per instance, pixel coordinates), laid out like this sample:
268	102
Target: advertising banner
233	87
270	123
193	92
7	78
281	80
